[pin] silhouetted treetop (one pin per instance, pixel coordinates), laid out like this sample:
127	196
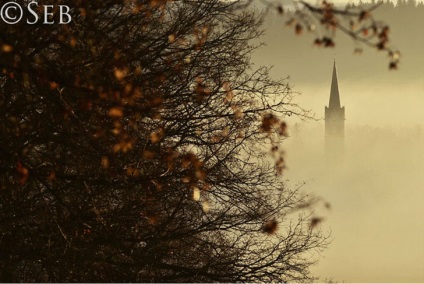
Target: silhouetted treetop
133	148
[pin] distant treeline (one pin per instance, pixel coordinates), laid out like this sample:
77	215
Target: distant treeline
403	13
401	5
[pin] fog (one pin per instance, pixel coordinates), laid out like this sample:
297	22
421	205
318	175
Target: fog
376	188
376	197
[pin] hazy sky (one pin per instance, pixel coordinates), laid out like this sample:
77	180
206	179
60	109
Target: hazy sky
377	191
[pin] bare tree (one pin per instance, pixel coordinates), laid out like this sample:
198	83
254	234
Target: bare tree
132	149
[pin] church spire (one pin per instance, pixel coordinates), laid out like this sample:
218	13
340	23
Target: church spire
334	113
334	94
334	121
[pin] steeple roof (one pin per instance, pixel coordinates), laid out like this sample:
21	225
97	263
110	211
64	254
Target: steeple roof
334	94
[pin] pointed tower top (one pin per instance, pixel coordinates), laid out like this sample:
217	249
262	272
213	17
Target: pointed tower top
334	94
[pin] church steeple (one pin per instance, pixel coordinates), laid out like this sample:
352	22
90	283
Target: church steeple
334	121
334	117
334	93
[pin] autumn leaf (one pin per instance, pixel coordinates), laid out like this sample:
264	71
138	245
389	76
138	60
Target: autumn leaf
133	172
73	42
152	220
157	135
23	173
156	102
270	227
268	121
384	34
394	55
123	146
280	9
315	222
393	65
171	38
363	15
186	179
328	42
6	48
115	112
381	45
105	162
298	29
201	92
53	85
200	174
318	42
52	175
196	193
120	73
282	130
365	31
205	206
148	155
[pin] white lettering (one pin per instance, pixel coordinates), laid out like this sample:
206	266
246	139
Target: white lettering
47	14
64	11
12	13
32	12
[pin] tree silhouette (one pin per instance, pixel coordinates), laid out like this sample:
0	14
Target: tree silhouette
132	149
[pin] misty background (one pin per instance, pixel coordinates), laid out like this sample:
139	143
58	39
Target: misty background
376	191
